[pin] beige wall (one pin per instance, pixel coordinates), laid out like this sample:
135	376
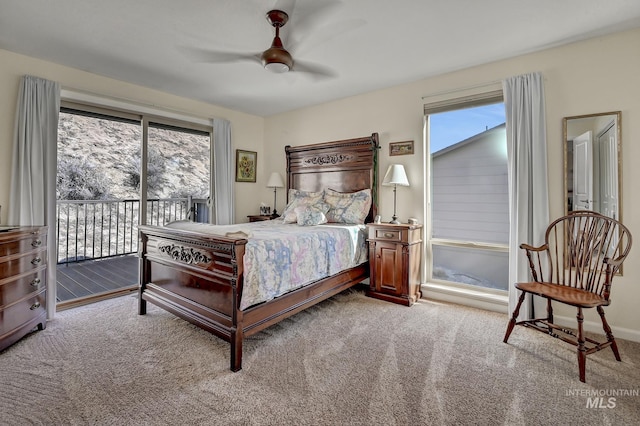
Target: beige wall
586	77
247	130
597	75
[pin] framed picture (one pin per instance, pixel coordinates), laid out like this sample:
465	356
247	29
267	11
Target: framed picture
246	165
401	148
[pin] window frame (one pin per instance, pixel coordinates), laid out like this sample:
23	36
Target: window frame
451	104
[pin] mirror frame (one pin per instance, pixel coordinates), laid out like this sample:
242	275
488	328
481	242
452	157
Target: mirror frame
565	192
565	143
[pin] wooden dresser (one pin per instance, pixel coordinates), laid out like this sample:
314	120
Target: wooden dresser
23	279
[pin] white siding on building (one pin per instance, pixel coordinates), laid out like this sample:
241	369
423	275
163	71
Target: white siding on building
470	199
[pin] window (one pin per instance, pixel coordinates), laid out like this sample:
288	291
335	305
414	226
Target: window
178	168
468	233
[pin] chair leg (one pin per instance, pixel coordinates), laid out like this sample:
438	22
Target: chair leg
582	350
514	318
549	317
607	330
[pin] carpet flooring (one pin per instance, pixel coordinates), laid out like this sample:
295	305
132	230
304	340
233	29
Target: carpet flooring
351	360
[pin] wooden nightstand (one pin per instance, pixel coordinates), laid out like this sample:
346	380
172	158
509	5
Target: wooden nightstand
258	217
395	253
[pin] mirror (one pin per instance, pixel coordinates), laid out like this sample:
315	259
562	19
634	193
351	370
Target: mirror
592	145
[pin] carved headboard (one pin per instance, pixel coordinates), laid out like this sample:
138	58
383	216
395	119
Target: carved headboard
345	166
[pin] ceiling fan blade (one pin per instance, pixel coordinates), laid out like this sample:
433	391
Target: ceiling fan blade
310	14
330	31
217	56
286	6
318	72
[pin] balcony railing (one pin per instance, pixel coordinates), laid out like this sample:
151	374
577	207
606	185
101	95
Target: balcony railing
96	229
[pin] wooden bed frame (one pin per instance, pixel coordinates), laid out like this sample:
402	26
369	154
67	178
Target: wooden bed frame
199	277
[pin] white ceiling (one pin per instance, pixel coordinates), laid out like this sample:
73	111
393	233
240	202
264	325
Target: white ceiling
364	44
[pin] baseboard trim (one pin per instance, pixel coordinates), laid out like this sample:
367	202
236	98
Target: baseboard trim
475	299
499	303
596	327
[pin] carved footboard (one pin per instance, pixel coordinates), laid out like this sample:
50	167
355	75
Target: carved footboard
196	277
199	278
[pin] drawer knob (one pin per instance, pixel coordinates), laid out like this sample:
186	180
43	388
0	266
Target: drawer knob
36	261
36	243
389	235
35	306
35	282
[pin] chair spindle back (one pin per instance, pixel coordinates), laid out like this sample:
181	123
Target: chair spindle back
582	250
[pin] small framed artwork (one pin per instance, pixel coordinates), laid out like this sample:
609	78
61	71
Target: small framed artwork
246	165
401	148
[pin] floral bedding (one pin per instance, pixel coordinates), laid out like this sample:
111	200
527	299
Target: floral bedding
282	257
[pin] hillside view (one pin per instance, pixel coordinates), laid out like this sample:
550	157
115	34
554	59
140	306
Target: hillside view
100	159
99	167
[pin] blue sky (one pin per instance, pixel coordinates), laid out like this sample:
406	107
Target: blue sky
448	128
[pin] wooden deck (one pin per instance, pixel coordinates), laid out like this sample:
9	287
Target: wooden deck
96	277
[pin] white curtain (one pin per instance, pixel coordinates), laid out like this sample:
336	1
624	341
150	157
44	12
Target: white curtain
528	186
33	174
224	174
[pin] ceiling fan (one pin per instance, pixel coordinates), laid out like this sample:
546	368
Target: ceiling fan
276	58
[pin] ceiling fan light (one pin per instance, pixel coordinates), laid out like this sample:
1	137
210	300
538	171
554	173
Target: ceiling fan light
277	67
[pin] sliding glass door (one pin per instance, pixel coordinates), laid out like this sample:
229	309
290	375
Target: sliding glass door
117	170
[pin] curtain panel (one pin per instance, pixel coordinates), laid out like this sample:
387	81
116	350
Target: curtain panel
528	181
223	200
34	164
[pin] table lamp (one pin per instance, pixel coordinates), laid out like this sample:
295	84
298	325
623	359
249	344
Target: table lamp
275	181
395	177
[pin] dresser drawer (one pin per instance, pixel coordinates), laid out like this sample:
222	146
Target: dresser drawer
22	285
31	242
18	264
19	313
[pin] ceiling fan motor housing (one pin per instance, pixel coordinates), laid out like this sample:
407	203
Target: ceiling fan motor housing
276	58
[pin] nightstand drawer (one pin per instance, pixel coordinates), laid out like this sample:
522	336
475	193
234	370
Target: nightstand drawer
403	233
386	234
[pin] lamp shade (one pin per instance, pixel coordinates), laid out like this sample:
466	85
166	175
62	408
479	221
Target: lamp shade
275	181
395	176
